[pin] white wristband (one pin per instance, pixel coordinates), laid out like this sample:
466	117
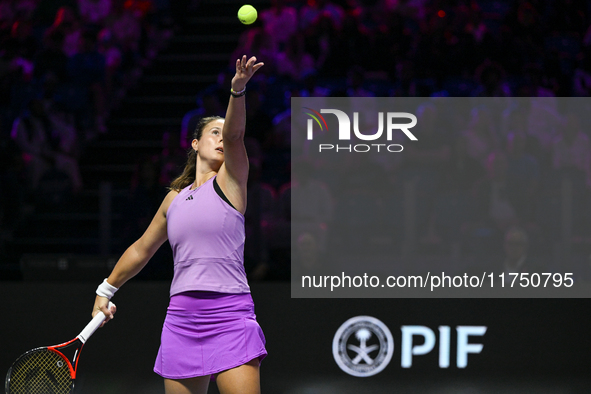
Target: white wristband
106	290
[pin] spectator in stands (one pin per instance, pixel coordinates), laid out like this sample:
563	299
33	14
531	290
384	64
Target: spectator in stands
481	134
491	78
113	60
461	172
582	74
544	121
87	70
294	62
567	17
7	14
15	77
321	22
46	10
279	23
171	159
475	25
492	196
255	40
312	88
406	84
22	32
25	9
69	25
571	150
46	141
94	12
355	80
125	26
52	61
516	247
141	8
436	149
523	175
536	82
24	46
311	206
314	13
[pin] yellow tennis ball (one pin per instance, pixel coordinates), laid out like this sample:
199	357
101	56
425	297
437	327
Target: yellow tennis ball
247	14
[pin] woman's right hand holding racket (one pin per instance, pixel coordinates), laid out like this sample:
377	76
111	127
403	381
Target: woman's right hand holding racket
101	304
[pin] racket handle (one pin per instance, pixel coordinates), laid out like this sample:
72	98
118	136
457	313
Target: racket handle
94	324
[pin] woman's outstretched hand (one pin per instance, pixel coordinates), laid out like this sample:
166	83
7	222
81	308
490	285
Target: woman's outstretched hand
244	71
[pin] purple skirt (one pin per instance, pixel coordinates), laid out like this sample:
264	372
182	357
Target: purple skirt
206	332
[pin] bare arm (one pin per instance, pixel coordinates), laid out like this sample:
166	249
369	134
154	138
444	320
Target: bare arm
233	174
138	254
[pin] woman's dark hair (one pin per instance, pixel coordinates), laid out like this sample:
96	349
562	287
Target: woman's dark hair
188	175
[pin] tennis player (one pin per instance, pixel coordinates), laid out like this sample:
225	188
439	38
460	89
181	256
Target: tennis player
210	331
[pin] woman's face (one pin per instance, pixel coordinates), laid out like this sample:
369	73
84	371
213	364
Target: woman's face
210	147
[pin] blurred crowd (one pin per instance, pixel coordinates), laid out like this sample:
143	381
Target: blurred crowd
421	48
65	64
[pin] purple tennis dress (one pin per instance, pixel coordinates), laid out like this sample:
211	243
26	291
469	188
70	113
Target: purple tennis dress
210	324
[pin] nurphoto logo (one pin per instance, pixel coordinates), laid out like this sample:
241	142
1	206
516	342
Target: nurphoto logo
363	346
391	120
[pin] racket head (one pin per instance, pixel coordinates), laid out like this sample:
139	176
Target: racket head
40	371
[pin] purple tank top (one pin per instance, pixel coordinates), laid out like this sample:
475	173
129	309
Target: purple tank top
207	239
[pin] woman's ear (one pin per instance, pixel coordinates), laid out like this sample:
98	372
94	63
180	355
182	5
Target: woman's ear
195	145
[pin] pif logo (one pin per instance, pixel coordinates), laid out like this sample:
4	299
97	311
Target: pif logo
344	132
363	345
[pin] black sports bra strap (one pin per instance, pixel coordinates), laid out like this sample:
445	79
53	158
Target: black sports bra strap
220	193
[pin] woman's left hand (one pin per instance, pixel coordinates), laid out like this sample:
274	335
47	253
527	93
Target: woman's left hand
244	71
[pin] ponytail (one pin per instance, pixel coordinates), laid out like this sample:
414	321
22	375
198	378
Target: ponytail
188	175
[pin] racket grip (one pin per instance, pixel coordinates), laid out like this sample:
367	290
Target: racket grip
94	324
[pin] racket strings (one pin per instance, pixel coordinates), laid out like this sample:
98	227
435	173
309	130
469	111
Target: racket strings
41	372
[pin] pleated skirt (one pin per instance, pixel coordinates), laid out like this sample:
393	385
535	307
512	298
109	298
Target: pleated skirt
205	333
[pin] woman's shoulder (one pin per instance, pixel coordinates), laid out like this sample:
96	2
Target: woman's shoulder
168	200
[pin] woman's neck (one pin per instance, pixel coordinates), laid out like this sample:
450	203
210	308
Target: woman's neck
201	177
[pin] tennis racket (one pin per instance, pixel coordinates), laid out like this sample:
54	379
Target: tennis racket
46	370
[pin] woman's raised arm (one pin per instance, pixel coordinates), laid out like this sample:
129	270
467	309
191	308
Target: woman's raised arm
233	174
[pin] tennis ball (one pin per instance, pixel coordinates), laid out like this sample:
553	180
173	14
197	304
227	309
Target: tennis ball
247	14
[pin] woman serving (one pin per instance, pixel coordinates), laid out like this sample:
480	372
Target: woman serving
210	330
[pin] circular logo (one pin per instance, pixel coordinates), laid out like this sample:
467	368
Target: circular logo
363	346
60	364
